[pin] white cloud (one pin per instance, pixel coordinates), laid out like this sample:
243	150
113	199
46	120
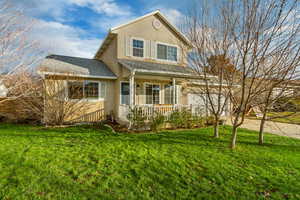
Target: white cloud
173	15
108	7
62	39
59	8
106	23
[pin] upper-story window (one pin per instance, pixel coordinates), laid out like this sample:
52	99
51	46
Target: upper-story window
166	52
138	48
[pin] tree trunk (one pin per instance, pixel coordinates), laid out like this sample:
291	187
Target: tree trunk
216	128
233	138
261	128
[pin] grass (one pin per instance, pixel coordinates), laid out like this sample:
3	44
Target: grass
85	163
285	117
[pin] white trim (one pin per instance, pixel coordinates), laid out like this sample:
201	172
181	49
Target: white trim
212	84
166	60
178	92
135	20
191	76
144	47
99	90
162	72
83	86
104	41
75	75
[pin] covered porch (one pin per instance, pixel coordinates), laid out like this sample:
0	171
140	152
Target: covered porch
153	91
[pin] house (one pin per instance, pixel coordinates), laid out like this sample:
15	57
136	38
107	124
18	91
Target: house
140	64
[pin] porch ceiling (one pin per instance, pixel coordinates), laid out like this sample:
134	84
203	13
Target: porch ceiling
158	69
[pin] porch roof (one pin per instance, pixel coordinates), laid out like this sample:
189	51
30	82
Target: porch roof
75	66
157	68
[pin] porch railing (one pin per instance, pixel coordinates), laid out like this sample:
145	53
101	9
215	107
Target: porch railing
148	111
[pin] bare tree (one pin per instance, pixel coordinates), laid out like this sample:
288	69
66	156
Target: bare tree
210	58
277	87
249	33
261	31
59	100
18	51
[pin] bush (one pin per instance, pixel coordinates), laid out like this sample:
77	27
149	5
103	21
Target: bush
136	118
157	121
175	119
183	119
198	121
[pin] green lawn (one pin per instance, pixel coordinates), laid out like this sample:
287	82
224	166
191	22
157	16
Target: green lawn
85	163
286	117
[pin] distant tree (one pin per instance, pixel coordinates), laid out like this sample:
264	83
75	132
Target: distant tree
219	63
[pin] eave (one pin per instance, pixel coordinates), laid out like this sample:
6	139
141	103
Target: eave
106	42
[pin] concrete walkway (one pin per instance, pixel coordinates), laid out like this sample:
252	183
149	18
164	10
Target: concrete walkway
283	129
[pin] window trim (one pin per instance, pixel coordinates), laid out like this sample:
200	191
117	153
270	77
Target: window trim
160	92
144	48
166	60
83	85
121	91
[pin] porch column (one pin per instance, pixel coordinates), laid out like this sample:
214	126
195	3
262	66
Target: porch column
131	89
174	90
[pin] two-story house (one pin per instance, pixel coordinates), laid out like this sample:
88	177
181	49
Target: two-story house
140	63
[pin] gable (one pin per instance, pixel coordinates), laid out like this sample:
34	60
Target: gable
145	29
159	17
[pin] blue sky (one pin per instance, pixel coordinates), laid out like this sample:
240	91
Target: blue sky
77	27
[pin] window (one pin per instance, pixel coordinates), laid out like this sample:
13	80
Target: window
138	48
168	94
152	94
166	52
125	93
75	90
92	90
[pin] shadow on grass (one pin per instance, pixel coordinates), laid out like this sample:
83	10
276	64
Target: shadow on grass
87	135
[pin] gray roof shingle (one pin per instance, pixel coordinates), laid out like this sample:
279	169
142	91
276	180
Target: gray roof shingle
149	67
75	66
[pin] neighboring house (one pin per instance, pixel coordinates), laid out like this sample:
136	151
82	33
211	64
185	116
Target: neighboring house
141	63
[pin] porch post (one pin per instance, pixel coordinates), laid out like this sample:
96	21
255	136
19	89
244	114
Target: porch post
131	89
174	90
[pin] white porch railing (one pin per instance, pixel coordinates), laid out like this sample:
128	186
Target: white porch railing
148	111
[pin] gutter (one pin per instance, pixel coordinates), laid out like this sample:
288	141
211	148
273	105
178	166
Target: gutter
75	75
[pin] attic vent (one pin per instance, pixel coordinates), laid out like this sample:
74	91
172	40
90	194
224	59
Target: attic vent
156	24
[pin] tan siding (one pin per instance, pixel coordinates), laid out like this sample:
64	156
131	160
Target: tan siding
144	29
88	106
109	57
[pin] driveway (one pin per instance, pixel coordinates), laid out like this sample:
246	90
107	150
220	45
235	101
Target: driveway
283	129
